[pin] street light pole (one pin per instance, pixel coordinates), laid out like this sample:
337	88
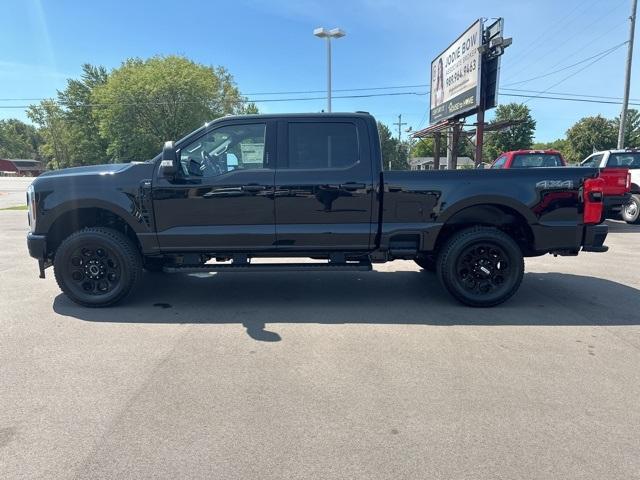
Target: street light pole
322	32
329	74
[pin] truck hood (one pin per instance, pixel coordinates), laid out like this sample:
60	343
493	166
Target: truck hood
107	169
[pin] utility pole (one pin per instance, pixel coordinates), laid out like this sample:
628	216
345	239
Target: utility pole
399	123
627	79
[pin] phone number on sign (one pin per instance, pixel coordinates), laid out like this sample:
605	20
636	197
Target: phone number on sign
462	72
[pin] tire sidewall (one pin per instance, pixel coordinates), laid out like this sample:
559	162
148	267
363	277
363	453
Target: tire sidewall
632	219
62	263
447	266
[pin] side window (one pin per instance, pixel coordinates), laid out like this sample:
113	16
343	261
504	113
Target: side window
232	147
322	145
499	163
592	161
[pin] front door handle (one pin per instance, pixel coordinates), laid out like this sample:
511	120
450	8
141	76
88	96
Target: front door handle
351	186
253	188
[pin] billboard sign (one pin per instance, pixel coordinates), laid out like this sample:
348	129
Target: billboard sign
455	76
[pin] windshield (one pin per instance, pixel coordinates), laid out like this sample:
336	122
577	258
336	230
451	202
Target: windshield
530	160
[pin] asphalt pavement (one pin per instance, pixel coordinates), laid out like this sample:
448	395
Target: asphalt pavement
13	191
375	375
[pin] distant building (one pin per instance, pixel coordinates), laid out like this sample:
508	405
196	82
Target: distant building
20	167
426	163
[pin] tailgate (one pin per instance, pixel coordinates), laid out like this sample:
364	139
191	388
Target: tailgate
616	181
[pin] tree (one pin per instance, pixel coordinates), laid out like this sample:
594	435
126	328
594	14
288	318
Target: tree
513	138
391	150
589	134
18	139
631	128
54	131
423	148
146	102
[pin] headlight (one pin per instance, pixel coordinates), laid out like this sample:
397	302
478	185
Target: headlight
31	203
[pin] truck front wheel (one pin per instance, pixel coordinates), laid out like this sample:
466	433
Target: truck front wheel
481	266
631	211
97	267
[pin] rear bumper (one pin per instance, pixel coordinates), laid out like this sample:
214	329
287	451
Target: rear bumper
614	203
594	237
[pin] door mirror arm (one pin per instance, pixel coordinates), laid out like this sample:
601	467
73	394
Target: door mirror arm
168	161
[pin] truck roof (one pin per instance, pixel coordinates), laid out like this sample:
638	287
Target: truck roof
276	116
620	150
533	150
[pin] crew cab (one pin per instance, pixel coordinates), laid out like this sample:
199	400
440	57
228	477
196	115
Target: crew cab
303	185
529	159
621	172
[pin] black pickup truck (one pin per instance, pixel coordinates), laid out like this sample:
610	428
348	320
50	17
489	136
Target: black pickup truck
303	185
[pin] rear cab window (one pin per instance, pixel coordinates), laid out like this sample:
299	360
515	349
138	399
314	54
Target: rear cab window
533	160
629	160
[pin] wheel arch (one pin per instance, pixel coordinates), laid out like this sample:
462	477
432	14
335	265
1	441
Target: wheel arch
72	220
507	218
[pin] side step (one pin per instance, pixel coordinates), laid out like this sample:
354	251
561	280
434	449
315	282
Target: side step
273	267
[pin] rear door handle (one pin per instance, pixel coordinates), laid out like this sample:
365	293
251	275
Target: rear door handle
352	186
253	188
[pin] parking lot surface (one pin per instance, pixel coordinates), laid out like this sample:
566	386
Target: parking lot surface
12	191
375	375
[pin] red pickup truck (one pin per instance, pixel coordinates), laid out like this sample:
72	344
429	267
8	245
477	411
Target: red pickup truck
616	181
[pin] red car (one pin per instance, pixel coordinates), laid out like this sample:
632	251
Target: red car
529	159
615	181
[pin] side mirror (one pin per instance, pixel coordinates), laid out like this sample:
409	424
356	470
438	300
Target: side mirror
168	161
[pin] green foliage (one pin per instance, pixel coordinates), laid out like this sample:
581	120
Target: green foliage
561	145
589	134
514	138
423	148
54	130
146	102
631	128
18	139
391	150
128	113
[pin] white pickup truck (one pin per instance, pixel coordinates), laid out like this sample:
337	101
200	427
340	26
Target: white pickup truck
627	207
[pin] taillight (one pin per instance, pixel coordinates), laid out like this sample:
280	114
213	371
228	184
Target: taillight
627	185
593	195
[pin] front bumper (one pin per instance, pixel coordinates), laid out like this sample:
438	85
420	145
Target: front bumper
594	237
37	245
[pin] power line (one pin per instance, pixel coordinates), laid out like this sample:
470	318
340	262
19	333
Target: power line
389	87
580	70
548	74
544	35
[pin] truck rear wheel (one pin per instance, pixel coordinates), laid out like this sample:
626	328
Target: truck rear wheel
97	267
631	211
481	266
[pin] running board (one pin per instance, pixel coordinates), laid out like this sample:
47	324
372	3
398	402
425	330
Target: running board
273	267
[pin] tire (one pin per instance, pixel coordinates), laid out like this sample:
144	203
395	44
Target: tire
427	263
481	266
97	267
631	211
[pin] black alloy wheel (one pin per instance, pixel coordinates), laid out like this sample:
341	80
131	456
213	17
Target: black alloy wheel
481	266
97	267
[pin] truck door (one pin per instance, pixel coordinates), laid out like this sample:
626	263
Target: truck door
222	199
323	185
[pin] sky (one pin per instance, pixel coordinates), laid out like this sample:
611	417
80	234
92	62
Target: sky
268	46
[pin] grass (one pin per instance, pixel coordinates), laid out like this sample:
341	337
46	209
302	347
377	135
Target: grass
18	207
